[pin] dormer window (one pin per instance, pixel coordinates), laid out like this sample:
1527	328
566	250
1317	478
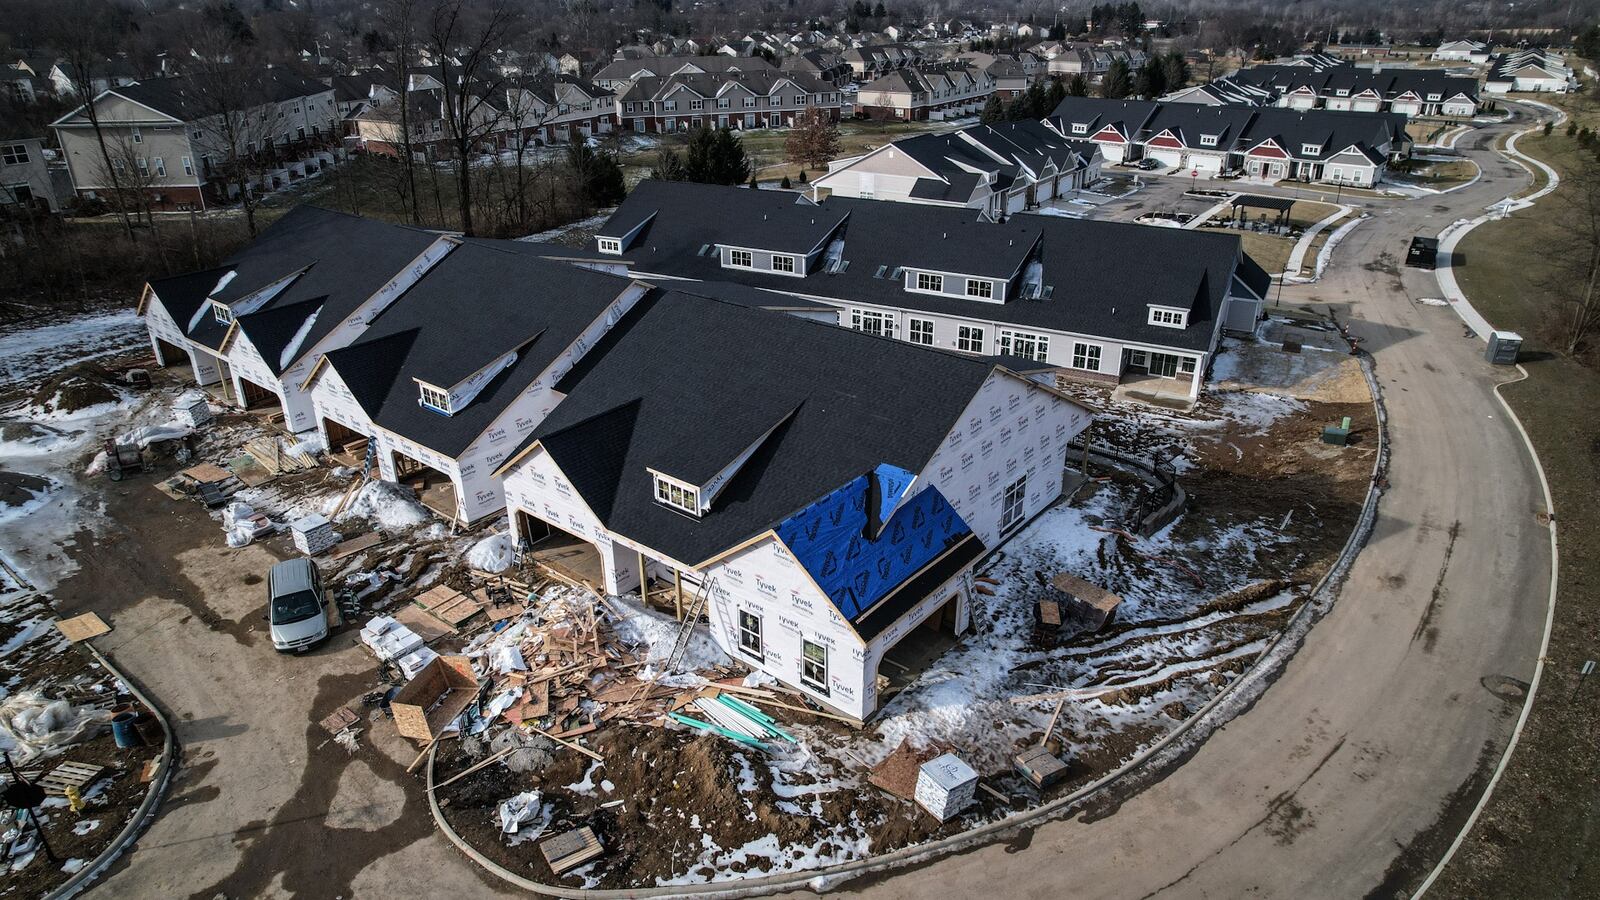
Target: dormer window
1080	128
677	495
930	283
741	259
1344	92
1168	318
1310	149
1435	97
610	245
222	313
1208	140
983	290
783	264
435	399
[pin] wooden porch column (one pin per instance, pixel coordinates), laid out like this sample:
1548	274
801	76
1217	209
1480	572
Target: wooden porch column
677	600
644	581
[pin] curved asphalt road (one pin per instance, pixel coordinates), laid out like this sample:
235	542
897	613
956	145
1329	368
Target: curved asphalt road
1354	771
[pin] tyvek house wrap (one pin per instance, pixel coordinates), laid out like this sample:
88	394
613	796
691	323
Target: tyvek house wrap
829	538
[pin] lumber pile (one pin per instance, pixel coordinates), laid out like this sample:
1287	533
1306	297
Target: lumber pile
268	451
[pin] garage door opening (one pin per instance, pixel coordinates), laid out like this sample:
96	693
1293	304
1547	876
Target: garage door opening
434	488
912	654
170	355
560	550
257	398
346	446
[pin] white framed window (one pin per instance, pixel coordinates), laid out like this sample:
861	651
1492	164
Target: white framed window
1011	503
741	259
188	165
697	104
749	103
197	134
1080	128
1186	364
609	245
920	331
435	399
814	666
872	322
14	154
1086	356
783	264
677	495
1168	318
983	290
143	164
221	313
750	634
1024	344
669	104
969	338
927	281
161	167
138	136
1310	149
722	103
1208	140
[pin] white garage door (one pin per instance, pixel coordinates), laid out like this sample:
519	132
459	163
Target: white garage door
1165	157
1207	165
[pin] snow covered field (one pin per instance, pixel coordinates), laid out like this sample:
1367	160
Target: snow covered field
31	353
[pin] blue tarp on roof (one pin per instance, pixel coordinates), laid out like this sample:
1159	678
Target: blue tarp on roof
829	539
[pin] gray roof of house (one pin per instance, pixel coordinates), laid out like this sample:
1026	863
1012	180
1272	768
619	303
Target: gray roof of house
477	304
179	96
1097	284
645	402
767	220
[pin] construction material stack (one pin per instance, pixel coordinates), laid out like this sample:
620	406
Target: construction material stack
945	786
313	534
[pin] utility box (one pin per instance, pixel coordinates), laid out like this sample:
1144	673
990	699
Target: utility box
1503	348
1338	435
1423	253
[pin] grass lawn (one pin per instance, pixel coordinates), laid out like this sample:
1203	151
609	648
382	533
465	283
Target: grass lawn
1272	251
1538	832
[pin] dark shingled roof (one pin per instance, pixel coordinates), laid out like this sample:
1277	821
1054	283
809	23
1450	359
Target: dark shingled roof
345	260
179	97
182	295
767	220
476	305
1096	286
691	382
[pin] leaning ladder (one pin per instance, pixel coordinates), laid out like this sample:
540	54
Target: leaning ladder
686	628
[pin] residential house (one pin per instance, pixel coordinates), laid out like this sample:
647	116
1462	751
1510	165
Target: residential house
1268	143
1092	61
1001	169
442	389
27	78
1223	92
1057	292
874	60
25	178
1013	73
110	73
553	109
759	99
569	64
823	65
165	134
824	493
362	89
1463	51
932	92
1534	71
620	75
256	326
1374	88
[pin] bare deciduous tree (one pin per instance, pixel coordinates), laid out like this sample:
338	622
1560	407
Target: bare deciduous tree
399	18
230	92
465	35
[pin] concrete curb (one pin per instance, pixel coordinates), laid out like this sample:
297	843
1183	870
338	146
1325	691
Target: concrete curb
1297	257
1455	231
152	798
1154	761
1555	568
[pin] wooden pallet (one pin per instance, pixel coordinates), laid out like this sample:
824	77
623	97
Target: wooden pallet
342	718
69	775
571	849
81	628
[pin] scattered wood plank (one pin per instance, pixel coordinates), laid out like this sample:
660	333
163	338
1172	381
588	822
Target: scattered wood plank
422	623
578	747
493	758
339	720
82	628
206	473
356	544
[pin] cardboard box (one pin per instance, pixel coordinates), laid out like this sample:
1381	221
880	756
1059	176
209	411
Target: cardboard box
434	698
